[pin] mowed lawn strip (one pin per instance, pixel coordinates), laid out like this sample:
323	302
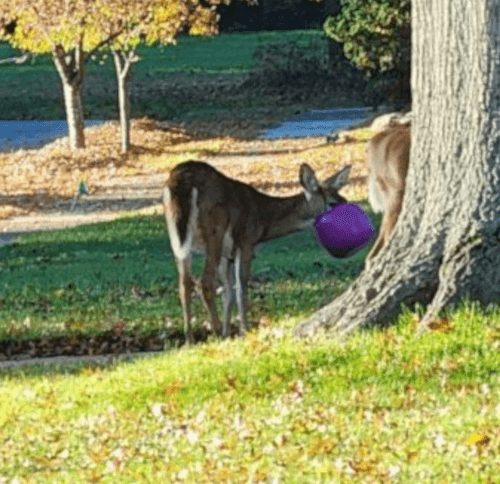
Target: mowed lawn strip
88	279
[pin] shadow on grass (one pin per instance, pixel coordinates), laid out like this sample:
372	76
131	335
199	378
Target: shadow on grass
44	203
111	288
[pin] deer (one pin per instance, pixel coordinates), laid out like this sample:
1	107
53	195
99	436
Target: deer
206	212
387	157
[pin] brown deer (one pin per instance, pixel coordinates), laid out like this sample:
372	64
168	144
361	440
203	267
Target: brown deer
225	219
387	156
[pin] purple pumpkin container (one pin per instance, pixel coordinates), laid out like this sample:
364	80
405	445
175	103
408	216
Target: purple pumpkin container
344	230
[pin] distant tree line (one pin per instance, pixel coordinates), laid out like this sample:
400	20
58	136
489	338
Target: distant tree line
275	15
375	36
372	35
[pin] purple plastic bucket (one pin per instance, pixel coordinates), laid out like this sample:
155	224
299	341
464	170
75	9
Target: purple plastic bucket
344	230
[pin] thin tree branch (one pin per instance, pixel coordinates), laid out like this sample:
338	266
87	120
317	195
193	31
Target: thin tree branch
104	42
131	28
17	60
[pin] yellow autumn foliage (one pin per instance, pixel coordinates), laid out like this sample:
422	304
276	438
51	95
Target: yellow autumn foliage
44	24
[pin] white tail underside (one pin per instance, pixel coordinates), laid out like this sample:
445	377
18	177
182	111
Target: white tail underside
375	196
183	251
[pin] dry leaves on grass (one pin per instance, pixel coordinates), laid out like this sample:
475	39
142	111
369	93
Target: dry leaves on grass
38	179
113	341
54	170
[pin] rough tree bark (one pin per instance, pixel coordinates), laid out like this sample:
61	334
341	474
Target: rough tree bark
445	245
123	64
70	67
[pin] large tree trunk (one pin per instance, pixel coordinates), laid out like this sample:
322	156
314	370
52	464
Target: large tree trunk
445	245
70	67
123	65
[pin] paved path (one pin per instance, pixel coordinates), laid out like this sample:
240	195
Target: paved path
319	122
34	134
12	228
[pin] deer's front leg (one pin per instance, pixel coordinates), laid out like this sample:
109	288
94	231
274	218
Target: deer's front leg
242	263
226	272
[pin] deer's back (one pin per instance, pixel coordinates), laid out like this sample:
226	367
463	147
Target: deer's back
221	201
387	155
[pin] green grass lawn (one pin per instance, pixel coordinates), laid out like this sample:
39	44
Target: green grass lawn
163	82
89	278
381	406
222	54
378	406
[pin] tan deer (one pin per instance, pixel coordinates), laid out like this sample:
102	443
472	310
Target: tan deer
225	219
387	156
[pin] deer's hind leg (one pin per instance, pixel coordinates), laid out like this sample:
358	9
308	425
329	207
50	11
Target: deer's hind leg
242	264
213	232
394	202
186	286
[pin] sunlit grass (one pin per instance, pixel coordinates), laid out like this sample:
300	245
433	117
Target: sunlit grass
379	406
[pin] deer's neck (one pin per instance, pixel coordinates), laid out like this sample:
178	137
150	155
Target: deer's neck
287	215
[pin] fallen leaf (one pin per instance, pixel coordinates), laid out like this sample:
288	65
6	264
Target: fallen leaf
157	409
442	325
478	439
362	467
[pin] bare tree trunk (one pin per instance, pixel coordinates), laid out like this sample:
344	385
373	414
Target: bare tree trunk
445	245
70	67
123	64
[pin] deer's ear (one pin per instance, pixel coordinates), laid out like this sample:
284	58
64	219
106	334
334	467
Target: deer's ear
308	178
340	179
